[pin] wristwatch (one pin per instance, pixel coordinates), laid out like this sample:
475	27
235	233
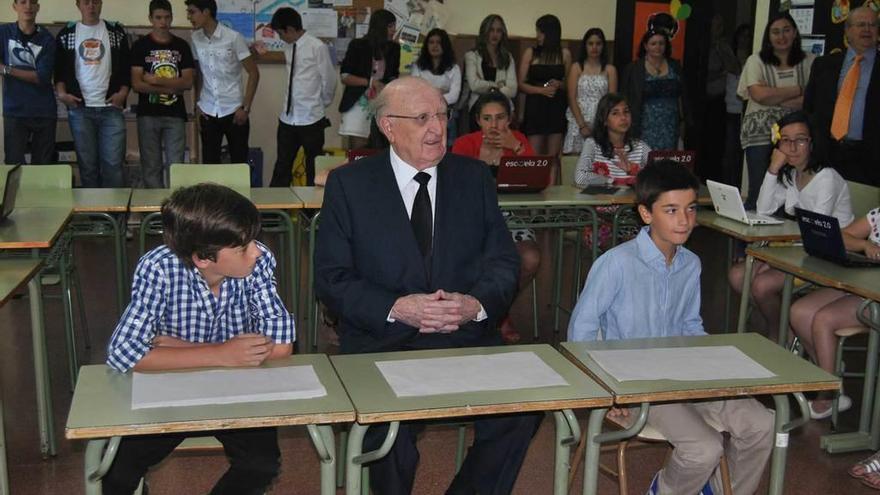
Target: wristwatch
7	70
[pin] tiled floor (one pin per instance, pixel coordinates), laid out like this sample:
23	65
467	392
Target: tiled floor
810	470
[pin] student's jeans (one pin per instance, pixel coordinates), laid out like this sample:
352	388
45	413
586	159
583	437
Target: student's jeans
254	461
289	139
212	131
156	133
99	140
757	161
39	132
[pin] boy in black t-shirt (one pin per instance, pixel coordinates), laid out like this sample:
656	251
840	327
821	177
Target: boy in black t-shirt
161	70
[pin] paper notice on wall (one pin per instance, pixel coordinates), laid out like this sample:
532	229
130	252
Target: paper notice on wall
803	18
321	23
343	3
813	43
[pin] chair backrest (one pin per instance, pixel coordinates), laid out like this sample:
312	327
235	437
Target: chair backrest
328	162
46	177
234	175
864	198
567	168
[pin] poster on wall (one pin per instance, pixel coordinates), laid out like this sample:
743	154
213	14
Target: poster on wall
237	15
670	17
263	11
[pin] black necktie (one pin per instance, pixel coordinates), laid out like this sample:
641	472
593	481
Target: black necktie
422	218
290	81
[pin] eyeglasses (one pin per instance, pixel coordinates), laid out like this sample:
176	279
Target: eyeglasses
799	142
864	24
422	119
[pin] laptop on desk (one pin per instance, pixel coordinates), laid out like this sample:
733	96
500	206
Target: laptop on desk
10	191
524	174
822	238
728	203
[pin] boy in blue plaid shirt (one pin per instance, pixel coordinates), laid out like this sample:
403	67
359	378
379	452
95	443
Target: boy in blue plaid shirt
206	298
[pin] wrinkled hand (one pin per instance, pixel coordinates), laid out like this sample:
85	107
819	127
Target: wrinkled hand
249	349
69	100
437	312
240	117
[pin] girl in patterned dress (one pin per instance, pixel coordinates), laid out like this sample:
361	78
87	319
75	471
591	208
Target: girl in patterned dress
589	79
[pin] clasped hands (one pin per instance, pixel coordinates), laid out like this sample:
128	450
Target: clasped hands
438	312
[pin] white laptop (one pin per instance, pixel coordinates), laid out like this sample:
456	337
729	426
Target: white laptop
728	203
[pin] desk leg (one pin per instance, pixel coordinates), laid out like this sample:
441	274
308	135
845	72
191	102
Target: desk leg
787	288
99	457
727	291
744	298
591	454
567	434
557	285
311	302
4	476
780	448
41	370
868	435
354	459
322	439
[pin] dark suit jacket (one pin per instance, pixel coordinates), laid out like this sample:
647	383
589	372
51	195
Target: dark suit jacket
367	256
358	61
820	96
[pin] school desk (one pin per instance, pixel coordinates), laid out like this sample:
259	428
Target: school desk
14	274
375	402
862	282
273	203
793	376
101	413
788	231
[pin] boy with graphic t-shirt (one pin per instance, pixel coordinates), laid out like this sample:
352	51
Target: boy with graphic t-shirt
161	70
29	110
92	77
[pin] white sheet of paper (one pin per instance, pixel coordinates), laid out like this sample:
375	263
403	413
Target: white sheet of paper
450	375
199	388
321	23
724	362
803	18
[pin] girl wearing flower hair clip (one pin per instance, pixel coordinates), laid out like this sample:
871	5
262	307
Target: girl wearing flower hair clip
794	179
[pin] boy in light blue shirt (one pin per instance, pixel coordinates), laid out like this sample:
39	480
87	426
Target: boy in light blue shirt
650	287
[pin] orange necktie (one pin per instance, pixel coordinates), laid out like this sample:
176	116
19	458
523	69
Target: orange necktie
843	107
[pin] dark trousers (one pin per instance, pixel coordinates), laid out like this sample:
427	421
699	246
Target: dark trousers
733	153
254	461
34	133
289	139
852	160
212	132
490	467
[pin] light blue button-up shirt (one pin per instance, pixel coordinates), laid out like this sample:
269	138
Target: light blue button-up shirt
632	293
866	66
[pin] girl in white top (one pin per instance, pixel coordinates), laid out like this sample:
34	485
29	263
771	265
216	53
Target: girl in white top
490	66
793	179
436	64
589	79
610	151
816	316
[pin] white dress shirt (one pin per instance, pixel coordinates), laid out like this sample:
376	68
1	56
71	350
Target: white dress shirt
314	81
219	57
827	193
449	83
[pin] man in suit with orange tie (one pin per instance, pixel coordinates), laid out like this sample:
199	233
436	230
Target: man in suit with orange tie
843	96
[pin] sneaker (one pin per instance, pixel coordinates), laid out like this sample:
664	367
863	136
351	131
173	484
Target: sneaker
843	404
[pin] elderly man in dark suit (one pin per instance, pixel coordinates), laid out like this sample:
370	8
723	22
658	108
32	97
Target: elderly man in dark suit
846	124
413	253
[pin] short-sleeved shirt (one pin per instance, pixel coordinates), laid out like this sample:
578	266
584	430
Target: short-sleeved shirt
169	298
93	63
758	118
163	60
220	56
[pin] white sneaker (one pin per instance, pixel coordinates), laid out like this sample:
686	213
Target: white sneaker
843	404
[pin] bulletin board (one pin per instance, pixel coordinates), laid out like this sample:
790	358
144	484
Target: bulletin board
822	22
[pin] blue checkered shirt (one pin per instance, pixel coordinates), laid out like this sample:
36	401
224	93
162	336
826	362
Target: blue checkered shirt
169	298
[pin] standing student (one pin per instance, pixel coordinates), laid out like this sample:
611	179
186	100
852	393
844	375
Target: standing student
161	70
209	265
223	106
436	64
370	63
665	302
490	66
310	79
541	83
29	109
589	79
92	78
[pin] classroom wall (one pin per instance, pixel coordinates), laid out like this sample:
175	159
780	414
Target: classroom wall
464	18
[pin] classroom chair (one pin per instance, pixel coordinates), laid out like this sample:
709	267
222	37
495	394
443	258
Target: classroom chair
646	438
59	260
